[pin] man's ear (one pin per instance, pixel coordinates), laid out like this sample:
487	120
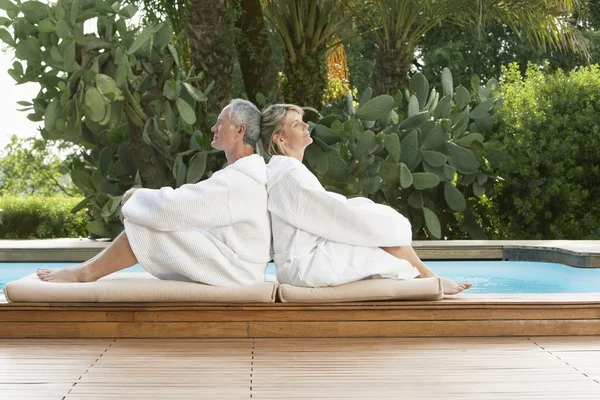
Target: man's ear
241	130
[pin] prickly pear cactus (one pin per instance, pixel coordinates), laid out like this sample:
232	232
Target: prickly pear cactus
116	91
420	152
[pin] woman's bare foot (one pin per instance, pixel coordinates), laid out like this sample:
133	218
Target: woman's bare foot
78	273
451	287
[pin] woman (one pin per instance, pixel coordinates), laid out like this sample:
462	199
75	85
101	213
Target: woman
321	238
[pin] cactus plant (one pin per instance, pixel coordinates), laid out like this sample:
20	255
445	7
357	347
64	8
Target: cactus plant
419	153
119	93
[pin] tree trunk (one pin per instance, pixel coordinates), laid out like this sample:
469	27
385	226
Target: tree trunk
209	28
254	51
391	69
306	81
153	170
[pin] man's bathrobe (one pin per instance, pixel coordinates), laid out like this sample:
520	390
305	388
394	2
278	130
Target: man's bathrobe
216	231
323	239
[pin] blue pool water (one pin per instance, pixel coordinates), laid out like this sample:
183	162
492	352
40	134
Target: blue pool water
486	276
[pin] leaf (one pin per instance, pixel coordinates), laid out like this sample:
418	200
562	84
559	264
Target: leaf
459	127
82	179
366	143
392	145
462	97
447	83
454	197
443	108
409	148
419	86
466	140
56	55
121	75
414	121
94	104
51	114
26	51
46	26
475	83
462	159
433	158
436	138
97	227
107	86
186	111
415	199
82	204
196	167
195	93
111	207
62	29
126	158
432	223
373	185
389	172
104	160
481	111
406	178
425	180
317	159
376	108
128	11
7	5
478	190
34	11
449	172
7	38
413	106
141	39
365	97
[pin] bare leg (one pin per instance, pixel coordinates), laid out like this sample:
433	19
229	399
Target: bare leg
408	253
114	258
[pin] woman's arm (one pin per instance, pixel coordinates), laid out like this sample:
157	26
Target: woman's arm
301	202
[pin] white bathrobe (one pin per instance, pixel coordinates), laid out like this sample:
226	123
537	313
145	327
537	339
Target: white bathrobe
216	232
323	239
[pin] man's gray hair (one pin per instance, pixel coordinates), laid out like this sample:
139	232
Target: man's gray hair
244	112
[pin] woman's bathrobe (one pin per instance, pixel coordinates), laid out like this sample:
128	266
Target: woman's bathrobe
216	231
323	239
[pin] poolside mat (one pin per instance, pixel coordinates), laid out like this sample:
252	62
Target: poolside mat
133	287
367	290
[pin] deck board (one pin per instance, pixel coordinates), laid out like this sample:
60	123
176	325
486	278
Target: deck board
355	368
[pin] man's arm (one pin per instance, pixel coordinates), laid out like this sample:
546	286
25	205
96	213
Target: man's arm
193	206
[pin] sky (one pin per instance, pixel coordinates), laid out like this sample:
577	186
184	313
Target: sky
14	122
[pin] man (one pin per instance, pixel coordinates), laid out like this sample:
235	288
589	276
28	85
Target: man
215	232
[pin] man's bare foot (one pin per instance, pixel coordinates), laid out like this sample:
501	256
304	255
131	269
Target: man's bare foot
78	273
451	287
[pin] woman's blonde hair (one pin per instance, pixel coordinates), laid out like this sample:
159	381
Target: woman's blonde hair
272	124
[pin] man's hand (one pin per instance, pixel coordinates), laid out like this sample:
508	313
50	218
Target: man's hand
124	200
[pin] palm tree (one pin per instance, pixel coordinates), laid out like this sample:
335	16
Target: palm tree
307	30
400	25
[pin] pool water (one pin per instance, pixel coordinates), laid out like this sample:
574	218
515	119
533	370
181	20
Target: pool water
486	276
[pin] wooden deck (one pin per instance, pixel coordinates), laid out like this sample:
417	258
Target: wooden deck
420	368
460	316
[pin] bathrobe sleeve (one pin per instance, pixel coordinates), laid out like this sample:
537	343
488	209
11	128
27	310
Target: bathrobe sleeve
202	205
297	198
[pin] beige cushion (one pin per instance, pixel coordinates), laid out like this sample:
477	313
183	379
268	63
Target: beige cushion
133	287
371	289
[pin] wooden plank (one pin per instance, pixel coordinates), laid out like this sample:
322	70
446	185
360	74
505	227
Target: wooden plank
424	328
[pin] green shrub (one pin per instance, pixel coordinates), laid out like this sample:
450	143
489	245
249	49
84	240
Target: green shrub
38	217
546	150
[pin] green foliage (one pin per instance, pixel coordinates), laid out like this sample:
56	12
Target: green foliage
420	152
29	167
469	52
546	152
41	217
120	93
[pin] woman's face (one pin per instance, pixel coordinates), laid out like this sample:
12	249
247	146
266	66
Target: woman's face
294	135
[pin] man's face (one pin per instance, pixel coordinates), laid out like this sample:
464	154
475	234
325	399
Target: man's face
224	131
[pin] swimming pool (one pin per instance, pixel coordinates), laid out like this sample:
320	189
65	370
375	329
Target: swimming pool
486	276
